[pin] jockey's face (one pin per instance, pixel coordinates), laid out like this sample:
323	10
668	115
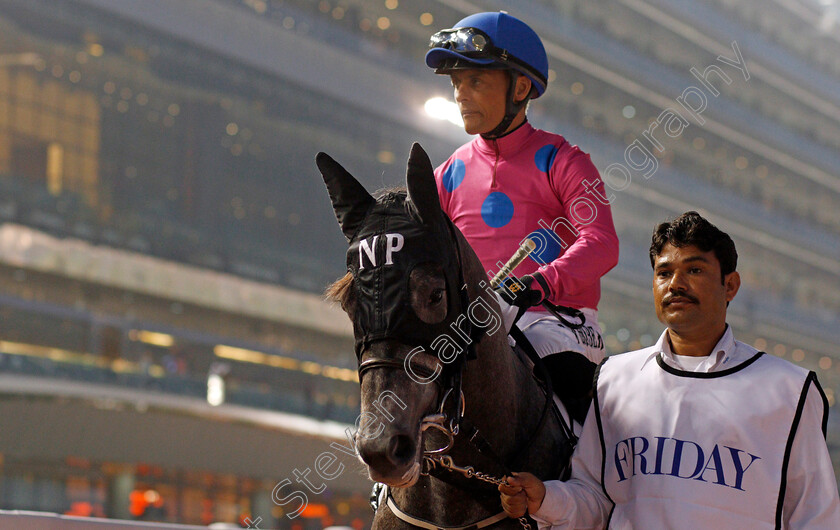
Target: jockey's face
481	96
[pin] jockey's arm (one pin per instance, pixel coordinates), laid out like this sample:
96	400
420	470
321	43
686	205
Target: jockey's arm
595	250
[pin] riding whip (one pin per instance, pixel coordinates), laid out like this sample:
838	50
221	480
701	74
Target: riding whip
525	248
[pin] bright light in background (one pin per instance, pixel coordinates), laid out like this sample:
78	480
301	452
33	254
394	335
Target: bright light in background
442	109
20	59
215	390
154	338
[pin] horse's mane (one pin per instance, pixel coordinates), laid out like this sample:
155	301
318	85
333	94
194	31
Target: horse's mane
341	290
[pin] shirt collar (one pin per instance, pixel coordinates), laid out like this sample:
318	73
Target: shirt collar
507	143
726	353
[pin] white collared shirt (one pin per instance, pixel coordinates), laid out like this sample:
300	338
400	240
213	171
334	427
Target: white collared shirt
727	352
811	498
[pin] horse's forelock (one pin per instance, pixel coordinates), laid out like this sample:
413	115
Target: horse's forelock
390	194
341	291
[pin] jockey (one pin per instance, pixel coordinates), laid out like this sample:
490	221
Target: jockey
513	181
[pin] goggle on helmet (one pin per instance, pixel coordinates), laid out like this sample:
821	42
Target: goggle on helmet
490	40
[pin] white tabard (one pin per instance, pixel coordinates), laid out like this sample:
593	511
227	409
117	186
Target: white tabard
694	449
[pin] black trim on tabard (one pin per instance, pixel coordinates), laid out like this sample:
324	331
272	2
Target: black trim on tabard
705	375
596	406
812	378
825	405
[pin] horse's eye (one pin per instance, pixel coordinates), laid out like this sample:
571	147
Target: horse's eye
436	296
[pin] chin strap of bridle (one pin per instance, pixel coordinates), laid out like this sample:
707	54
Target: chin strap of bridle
512	108
385	495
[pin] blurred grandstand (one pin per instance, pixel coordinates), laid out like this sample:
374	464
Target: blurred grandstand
163	223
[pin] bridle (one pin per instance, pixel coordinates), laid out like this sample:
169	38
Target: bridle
436	420
448	419
438	457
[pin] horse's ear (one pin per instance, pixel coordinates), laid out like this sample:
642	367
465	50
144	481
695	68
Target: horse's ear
350	200
422	190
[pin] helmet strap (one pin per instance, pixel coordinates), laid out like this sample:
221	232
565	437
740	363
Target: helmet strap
512	108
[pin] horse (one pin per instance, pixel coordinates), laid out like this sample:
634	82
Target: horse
447	408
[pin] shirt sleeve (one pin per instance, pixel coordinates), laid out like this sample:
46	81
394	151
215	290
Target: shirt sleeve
443	194
594	251
580	502
811	498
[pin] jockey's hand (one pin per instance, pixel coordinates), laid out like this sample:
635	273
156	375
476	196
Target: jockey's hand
527	291
523	493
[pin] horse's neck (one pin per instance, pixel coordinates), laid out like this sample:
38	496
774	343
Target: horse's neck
502	399
500	396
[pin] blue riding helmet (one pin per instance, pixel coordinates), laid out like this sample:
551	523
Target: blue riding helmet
491	40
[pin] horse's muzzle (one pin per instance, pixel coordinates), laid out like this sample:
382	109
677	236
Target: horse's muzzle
391	459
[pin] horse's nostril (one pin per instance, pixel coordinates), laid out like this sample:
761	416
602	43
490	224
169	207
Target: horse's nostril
400	449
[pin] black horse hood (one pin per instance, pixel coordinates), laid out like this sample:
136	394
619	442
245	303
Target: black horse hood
390	245
389	238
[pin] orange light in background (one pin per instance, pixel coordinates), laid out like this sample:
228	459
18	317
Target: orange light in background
207	516
243	517
315	511
80	509
137	503
139	500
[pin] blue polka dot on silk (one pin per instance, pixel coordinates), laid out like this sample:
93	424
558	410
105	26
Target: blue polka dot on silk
497	210
544	157
548	247
454	175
